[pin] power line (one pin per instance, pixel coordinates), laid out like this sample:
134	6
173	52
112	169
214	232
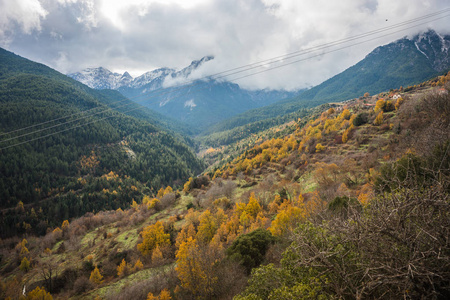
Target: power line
224	74
198	81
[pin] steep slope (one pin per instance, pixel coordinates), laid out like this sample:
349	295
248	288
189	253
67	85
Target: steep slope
404	62
338	205
66	172
401	63
199	105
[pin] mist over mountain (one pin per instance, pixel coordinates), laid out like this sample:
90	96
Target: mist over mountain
200	104
407	61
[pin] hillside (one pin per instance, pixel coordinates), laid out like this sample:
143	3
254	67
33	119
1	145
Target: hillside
350	201
104	162
405	62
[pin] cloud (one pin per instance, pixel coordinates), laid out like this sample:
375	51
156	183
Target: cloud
139	36
23	15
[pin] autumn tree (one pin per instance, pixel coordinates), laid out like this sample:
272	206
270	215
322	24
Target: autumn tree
96	277
380	105
197	267
319	147
122	269
346	114
288	218
22	248
150	296
188	185
138	266
164	295
153	236
24	264
326	174
207	227
157	256
379	119
39	293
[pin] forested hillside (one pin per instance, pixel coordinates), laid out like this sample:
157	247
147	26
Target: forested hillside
349	202
81	162
405	62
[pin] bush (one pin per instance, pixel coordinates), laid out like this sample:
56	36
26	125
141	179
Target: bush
81	285
361	119
249	249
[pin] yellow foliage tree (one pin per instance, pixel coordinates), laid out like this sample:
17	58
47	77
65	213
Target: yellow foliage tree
157	256
196	267
23	250
187	231
253	206
188	268
287	219
319	147
65	225
380	105
138	266
39	293
160	193
24	265
379	119
168	190
207	227
399	103
346	114
122	269
164	295
153	203
188	185
153	236
134	204
151	297
96	277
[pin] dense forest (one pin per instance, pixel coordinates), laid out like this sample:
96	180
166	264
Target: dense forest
60	168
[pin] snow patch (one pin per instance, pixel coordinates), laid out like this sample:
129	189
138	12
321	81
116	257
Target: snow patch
444	47
417	46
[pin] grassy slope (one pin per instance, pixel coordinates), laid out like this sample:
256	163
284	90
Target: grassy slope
371	145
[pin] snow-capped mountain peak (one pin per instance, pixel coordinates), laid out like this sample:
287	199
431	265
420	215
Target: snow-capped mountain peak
434	47
102	78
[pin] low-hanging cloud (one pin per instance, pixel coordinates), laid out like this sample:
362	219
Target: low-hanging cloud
139	36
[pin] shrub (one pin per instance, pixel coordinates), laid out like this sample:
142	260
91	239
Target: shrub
361	119
249	249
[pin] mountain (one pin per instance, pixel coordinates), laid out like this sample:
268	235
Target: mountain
334	205
200	104
84	156
101	78
405	62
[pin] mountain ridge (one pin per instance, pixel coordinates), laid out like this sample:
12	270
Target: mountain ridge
199	104
404	62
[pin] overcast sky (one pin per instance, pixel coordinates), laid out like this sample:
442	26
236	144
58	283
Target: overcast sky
139	35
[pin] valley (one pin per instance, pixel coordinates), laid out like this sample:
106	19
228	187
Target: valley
340	191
